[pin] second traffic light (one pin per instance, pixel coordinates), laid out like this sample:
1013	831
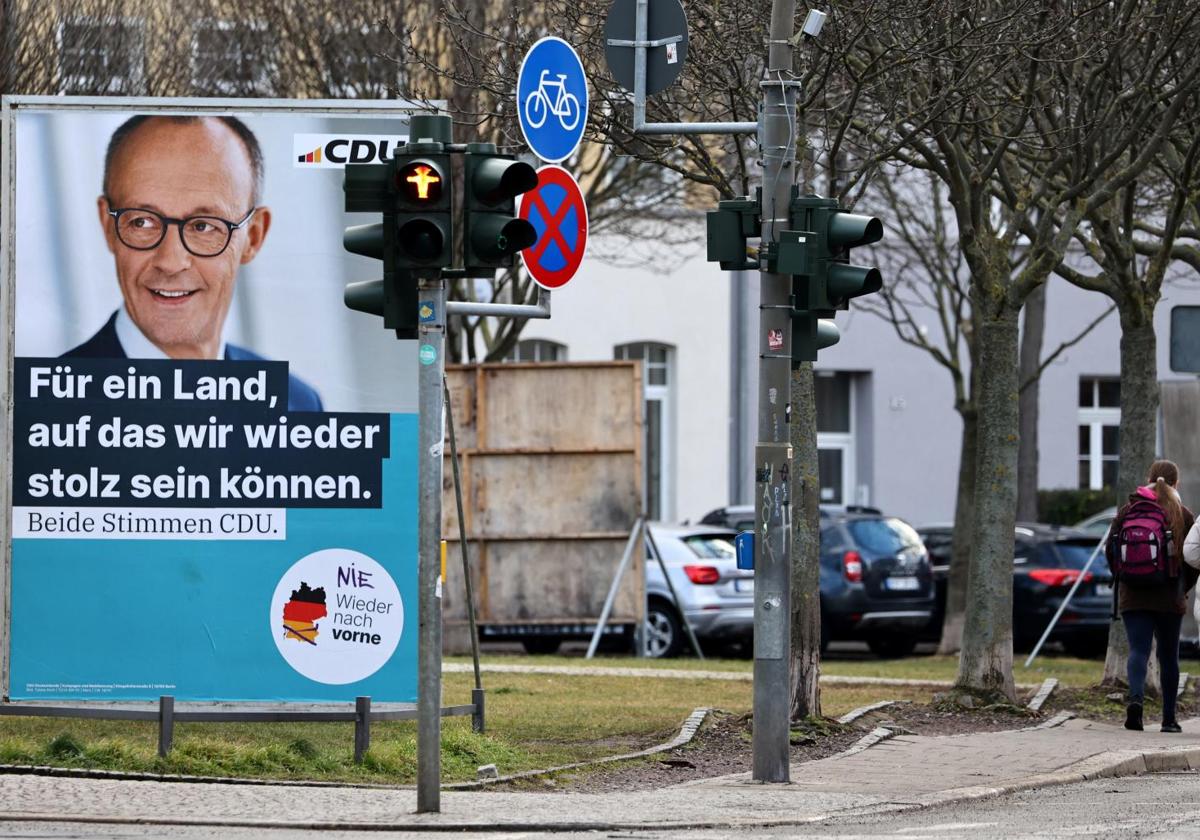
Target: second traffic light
492	234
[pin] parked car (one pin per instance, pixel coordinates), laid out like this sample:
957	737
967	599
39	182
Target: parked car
1097	524
1047	560
876	582
716	596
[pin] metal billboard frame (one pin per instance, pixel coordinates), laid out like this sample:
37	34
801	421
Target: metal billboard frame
10	106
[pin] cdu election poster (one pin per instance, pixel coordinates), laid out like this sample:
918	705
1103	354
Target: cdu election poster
212	469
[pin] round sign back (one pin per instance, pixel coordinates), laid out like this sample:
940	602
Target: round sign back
665	19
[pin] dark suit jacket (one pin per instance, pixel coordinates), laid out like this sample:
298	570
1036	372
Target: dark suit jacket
105	345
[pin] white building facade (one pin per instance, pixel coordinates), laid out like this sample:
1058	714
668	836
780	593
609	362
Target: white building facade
888	432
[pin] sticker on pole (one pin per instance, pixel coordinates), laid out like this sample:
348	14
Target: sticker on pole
557	211
552	99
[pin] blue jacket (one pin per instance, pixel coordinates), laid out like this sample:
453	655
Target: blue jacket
106	345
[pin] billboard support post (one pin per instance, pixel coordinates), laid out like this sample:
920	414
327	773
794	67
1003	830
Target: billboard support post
431	437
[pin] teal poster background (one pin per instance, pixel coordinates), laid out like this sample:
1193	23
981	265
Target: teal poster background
137	619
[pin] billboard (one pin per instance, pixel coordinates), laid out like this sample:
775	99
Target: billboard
212	480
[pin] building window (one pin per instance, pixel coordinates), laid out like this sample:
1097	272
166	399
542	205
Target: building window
98	57
537	350
359	63
1099	426
231	58
658	425
835	437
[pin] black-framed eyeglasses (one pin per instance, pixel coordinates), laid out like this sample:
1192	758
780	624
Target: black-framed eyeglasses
202	236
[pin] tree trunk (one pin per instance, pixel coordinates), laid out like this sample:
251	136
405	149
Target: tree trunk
960	557
985	664
805	488
1137	440
1032	338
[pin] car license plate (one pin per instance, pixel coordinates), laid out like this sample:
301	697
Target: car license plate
1103	588
743	585
902	584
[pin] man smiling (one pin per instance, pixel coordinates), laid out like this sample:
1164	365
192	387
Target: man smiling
181	212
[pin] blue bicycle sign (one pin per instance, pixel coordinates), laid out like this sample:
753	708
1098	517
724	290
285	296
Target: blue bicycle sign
552	99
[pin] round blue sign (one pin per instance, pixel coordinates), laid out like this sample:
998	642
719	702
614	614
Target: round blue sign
552	99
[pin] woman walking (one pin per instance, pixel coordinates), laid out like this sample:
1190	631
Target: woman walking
1154	610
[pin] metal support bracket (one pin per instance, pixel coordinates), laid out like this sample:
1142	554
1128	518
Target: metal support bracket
661	42
507	310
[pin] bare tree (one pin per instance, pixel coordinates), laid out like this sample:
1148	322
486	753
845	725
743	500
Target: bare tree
982	88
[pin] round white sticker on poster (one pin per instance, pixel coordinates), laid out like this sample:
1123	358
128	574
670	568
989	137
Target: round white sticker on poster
336	616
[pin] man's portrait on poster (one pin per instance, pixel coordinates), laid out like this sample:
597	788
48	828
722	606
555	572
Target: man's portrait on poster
182	211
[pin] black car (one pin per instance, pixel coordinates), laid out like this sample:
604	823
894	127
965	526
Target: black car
876	581
1047	560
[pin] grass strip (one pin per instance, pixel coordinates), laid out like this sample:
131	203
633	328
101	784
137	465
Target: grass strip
534	721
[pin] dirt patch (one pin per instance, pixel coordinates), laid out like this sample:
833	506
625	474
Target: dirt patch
1108	704
723	746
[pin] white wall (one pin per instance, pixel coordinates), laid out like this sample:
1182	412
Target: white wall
679	300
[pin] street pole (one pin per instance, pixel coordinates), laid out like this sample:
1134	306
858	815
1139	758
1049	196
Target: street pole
773	454
431	436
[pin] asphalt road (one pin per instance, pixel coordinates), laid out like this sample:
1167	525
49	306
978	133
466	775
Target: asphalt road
1162	806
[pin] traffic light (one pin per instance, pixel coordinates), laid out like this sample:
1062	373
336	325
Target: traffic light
834	281
424	210
816	252
492	235
729	226
810	334
371	188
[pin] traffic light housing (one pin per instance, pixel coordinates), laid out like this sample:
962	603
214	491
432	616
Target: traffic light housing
729	226
816	252
492	233
371	188
424	208
833	232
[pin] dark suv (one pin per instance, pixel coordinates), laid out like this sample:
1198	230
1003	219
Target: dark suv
876	582
1047	560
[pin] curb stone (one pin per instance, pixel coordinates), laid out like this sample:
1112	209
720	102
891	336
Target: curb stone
862	711
686	733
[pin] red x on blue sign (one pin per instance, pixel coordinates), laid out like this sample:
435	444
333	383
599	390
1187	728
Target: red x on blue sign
557	211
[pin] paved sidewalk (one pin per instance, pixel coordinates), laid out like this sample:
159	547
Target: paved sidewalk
899	774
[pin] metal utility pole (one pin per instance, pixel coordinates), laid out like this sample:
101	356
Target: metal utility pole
664	28
773	454
430	436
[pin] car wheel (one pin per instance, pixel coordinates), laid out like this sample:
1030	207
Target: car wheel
826	634
664	635
541	644
891	647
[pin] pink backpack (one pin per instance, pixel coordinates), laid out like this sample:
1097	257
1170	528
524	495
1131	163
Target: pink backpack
1140	551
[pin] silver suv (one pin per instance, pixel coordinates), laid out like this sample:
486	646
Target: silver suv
716	596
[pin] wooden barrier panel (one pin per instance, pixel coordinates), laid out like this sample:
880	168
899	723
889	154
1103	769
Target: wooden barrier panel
551	462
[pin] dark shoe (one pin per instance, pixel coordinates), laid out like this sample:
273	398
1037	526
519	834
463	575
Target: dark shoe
1171	726
1133	717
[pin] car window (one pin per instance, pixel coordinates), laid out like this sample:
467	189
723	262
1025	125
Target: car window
1068	555
711	547
831	539
884	536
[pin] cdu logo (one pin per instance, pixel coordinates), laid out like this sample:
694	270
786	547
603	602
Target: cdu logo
334	151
